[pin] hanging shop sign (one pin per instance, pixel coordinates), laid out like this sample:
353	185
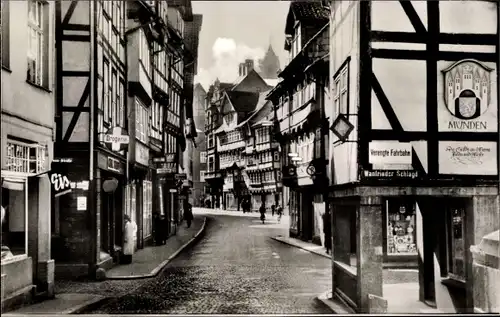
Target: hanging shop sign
116	139
170	158
468	93
389	153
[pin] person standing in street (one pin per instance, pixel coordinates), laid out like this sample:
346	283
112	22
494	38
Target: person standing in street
327	230
273	209
262	211
279	212
188	214
130	236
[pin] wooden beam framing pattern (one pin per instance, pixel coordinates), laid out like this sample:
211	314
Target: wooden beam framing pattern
431	37
63	24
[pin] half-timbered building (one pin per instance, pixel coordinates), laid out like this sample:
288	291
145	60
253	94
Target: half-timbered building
262	157
27	108
414	158
299	101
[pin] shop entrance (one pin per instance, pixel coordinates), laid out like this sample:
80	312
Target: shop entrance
112	217
430	231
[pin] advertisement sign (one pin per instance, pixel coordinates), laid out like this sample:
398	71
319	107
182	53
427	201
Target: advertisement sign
389	152
468	158
141	154
81	203
469	97
116	139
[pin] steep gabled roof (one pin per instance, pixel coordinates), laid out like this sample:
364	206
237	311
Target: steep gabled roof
311	11
225	86
240	79
244	103
260	104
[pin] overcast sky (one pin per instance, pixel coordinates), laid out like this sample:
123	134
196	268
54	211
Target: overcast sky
235	30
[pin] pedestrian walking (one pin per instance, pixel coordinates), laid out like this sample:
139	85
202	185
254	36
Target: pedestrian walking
279	212
130	236
273	209
188	214
327	230
262	211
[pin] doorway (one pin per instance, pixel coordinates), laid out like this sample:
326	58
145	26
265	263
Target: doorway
112	221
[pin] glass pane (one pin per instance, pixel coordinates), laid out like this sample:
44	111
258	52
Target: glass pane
13	218
458	243
401	233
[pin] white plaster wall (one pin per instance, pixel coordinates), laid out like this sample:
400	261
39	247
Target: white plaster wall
344	43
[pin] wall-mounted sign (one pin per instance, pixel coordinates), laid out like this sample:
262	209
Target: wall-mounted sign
141	154
81	203
60	183
158	159
173	190
468	158
116	139
468	95
389	152
162	171
390	174
66	160
181	176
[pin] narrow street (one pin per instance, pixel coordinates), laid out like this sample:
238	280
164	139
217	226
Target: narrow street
235	269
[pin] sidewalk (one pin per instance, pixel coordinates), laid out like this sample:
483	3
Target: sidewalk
400	285
149	261
74	297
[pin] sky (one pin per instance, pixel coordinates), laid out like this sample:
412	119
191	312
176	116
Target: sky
235	30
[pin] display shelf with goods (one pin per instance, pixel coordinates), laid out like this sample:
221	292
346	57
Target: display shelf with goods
401	239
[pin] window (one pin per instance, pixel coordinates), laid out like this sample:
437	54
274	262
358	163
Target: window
210	140
341	93
211	164
5	16
203	157
144	54
293	207
14	219
37	60
456	240
141	122
105	97
401	233
147	190
121	106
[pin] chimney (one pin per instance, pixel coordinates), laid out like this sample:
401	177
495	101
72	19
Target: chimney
249	64
241	71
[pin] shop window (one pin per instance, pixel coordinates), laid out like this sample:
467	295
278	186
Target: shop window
293	210
401	233
456	241
14	211
147	201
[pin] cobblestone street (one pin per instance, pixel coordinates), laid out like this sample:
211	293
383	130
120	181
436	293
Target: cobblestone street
236	268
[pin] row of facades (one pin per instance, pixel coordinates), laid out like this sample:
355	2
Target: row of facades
97	121
386	115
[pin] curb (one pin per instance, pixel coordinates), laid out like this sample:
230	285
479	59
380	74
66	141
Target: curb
163	264
88	305
300	247
334	306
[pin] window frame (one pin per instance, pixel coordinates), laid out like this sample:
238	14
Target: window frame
40	27
341	87
5	29
456	203
18	177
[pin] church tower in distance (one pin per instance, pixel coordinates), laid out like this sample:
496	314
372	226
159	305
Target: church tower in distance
269	65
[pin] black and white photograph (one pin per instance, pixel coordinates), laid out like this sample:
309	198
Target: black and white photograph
250	157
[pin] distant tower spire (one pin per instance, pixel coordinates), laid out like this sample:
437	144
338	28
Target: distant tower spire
270	64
